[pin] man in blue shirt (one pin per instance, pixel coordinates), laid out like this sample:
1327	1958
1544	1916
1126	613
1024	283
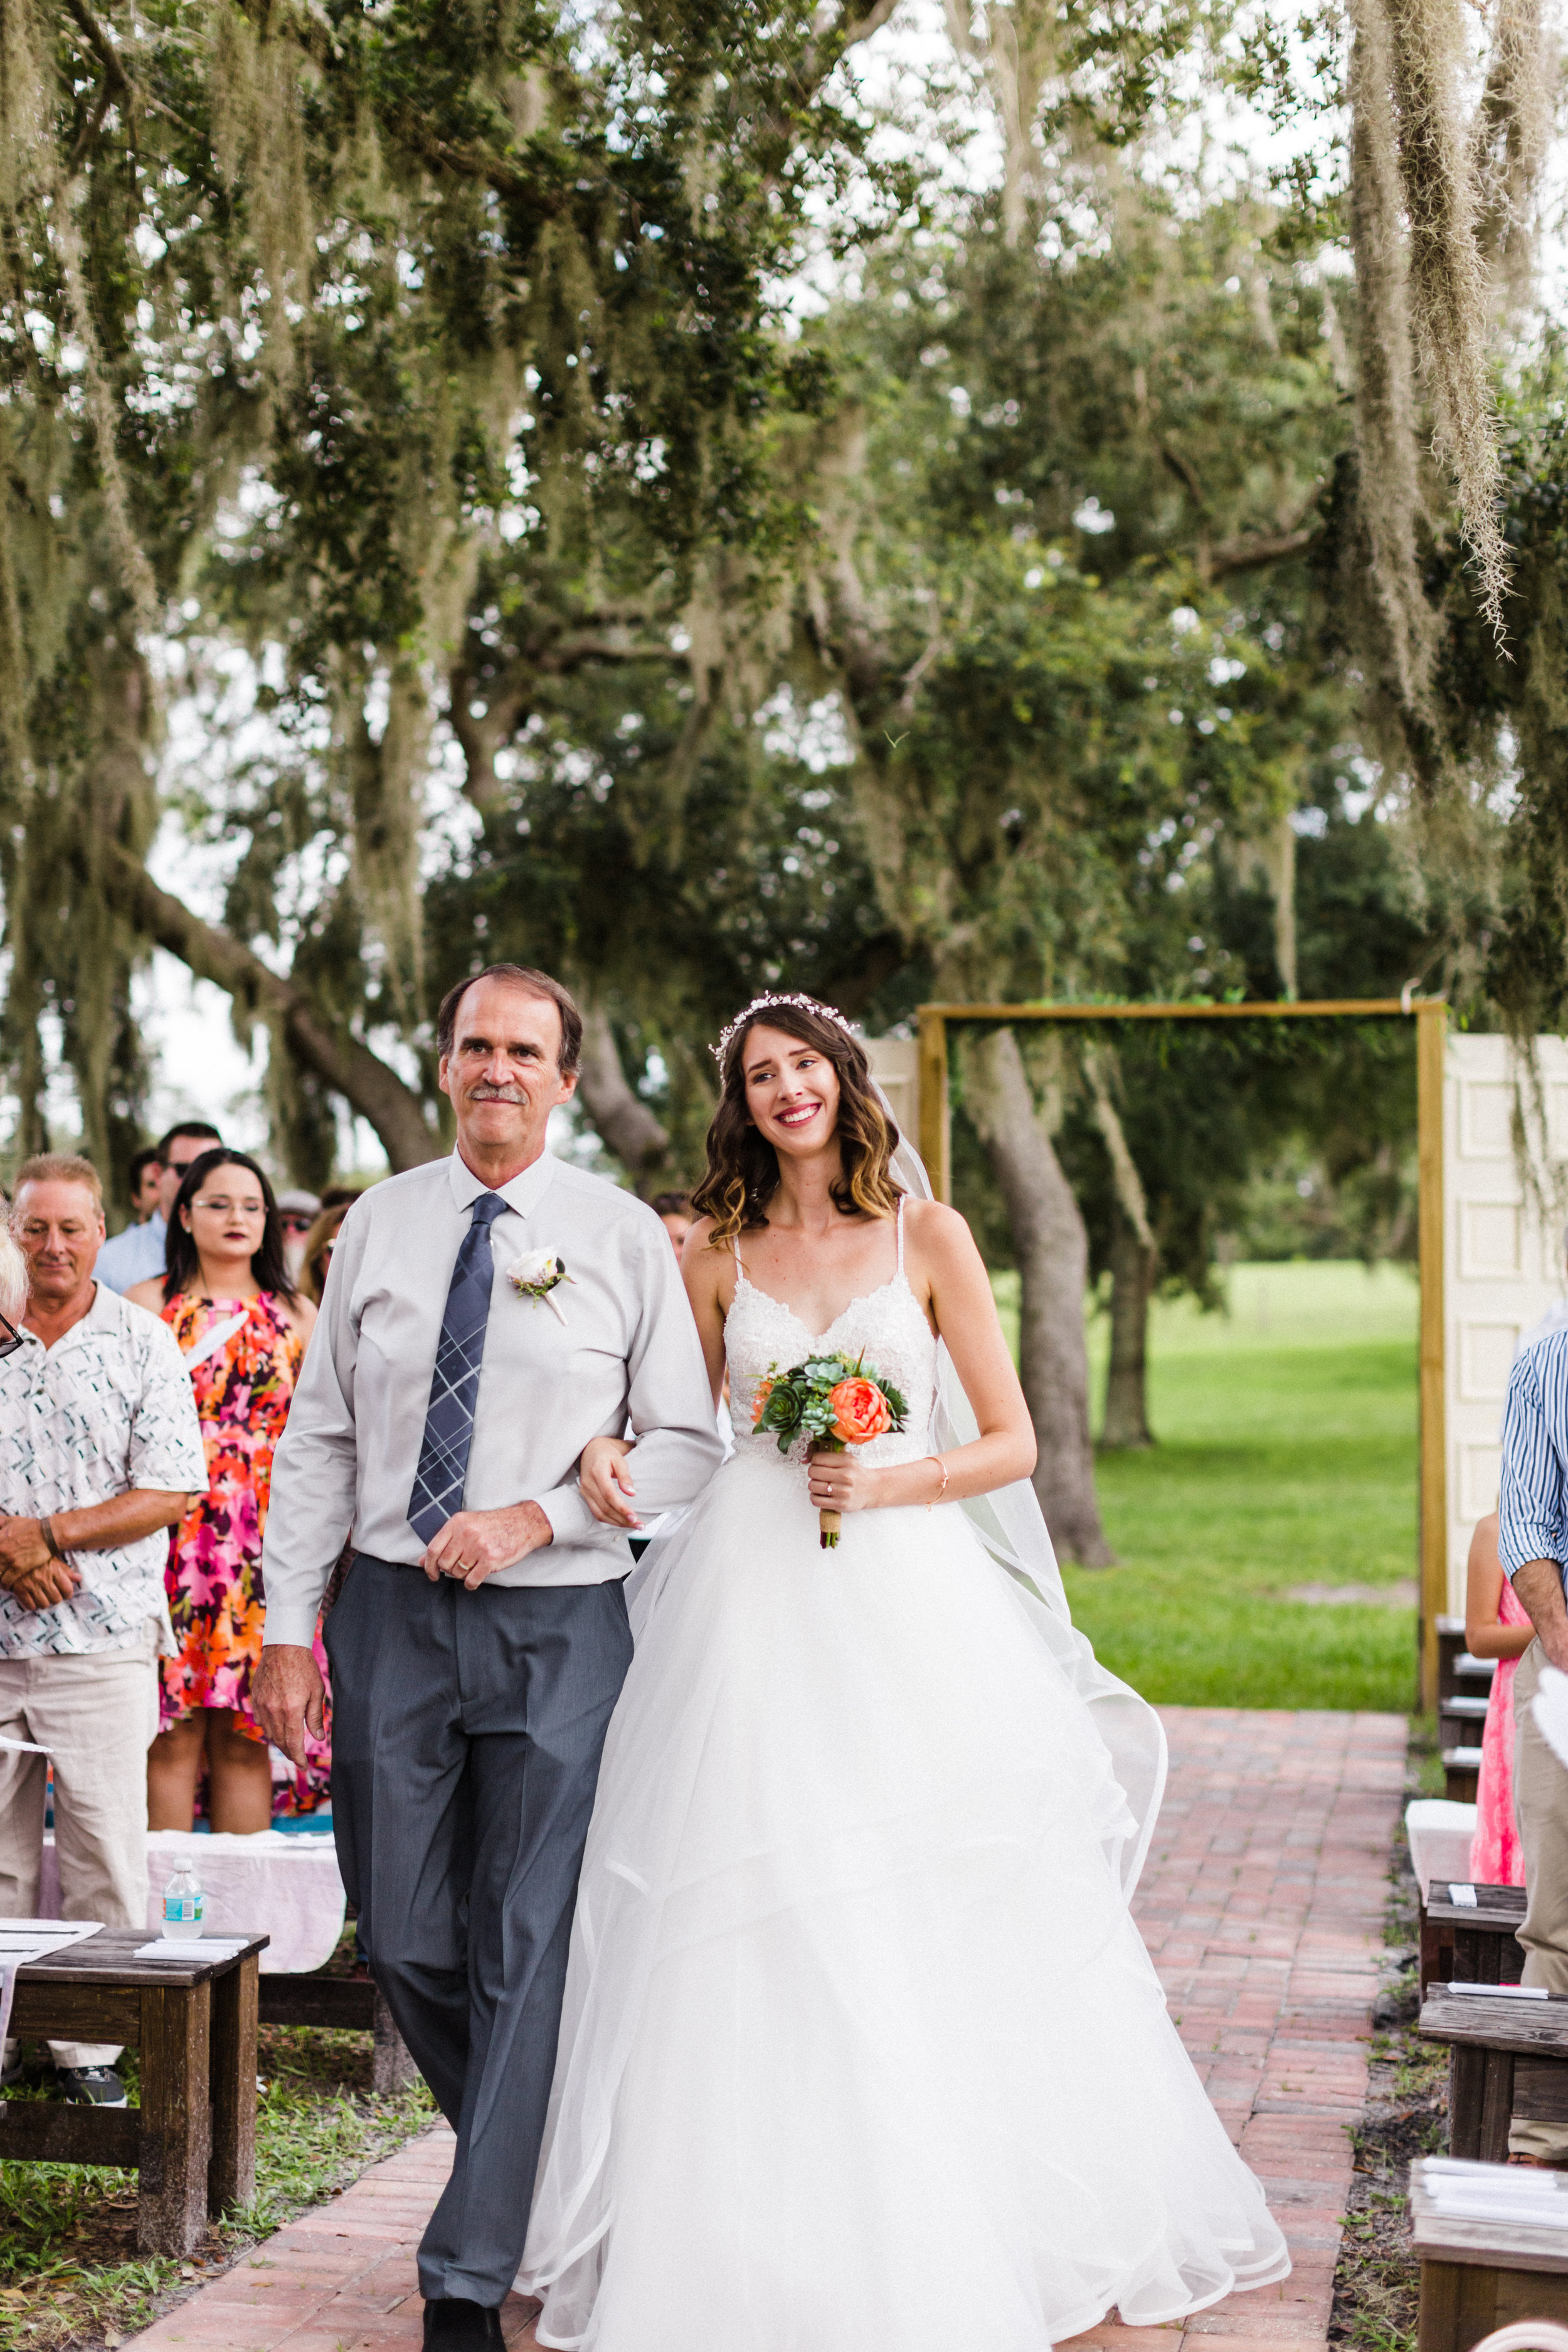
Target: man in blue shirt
1533	1543
136	1255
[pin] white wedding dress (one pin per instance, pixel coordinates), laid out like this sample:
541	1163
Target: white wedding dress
861	2050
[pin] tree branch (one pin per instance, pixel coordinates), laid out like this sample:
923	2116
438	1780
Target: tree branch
337	1058
115	75
862	28
622	1117
1250	555
1186	473
469	159
1124	1174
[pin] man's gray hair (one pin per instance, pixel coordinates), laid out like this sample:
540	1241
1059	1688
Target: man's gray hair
60	1168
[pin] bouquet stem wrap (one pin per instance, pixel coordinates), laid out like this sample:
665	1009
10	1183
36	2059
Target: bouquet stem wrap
828	1522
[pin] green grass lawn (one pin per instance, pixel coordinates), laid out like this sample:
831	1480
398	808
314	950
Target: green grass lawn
1287	1456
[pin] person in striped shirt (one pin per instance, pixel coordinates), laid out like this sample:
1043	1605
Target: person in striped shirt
1533	1545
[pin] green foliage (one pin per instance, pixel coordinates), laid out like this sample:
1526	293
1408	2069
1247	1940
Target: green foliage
977	636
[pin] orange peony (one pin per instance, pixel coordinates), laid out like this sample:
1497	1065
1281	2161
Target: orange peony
763	1391
859	1412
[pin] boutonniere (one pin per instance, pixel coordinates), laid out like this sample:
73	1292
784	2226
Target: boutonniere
537	1275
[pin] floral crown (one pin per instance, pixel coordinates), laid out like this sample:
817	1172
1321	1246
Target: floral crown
760	1004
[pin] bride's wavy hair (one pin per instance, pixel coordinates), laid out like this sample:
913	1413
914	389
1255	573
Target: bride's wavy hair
742	1173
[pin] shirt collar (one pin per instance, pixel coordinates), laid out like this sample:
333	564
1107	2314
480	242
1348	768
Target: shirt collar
522	1194
106	1313
157	1224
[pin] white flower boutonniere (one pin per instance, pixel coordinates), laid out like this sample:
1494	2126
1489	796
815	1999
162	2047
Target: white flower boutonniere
537	1275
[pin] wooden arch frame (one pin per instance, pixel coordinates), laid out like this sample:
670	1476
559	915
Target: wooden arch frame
1430	1015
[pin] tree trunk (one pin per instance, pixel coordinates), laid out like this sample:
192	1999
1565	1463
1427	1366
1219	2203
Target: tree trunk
336	1055
623	1119
1053	1264
1126	1382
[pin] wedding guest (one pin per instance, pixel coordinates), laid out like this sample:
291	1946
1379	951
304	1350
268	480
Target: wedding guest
136	1255
13	1292
1533	1545
319	1244
141	1183
241	1328
1495	1627
297	1212
100	1451
673	1210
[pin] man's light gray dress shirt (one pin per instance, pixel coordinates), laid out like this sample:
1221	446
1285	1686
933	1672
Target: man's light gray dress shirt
626	1352
135	1255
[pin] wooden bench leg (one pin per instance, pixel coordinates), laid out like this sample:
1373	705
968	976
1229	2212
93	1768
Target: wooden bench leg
1459	2307
176	2117
1497	2108
231	2174
1466	2093
391	2067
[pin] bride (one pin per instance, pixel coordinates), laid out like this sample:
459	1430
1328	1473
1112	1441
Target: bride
861	2050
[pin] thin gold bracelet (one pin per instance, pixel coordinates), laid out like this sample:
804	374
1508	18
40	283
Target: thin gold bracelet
942	1488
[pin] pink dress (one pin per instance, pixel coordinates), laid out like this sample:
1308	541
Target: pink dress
1497	1858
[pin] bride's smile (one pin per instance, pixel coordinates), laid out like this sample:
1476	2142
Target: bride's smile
792	1091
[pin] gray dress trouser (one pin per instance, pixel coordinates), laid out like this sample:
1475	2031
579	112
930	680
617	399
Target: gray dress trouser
466	1730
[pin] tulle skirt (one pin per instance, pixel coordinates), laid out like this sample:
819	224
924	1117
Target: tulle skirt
861	2051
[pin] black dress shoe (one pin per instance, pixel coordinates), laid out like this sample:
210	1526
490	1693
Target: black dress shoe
453	2324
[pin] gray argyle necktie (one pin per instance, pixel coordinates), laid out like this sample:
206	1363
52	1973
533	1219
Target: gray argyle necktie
454	1383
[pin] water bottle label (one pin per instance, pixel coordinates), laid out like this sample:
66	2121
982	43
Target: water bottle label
183	1908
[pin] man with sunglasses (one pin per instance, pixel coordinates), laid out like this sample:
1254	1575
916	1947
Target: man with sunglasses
100	1453
136	1255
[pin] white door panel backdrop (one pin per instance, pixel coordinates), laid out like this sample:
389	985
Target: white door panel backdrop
1502	1250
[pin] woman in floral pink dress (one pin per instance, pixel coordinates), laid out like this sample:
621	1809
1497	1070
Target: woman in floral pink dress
1495	1627
242	1327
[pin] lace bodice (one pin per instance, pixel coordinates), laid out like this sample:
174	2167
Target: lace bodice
888	1327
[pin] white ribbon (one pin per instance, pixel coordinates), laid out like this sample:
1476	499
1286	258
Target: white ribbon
218	1336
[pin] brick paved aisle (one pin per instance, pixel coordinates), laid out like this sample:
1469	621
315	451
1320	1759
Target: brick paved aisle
1262	1903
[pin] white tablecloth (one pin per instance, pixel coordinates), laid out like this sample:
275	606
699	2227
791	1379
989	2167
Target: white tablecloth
281	1883
1439	1834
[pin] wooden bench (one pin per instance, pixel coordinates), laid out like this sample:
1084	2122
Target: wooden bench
193	2138
1507	2057
1464	1686
348	2004
1478	2275
1475	1946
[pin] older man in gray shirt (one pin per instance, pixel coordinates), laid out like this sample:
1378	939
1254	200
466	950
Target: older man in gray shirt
485	1316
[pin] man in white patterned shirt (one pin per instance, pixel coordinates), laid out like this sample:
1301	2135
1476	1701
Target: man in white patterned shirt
100	1453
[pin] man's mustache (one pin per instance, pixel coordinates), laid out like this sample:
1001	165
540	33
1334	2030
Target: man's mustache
485	1092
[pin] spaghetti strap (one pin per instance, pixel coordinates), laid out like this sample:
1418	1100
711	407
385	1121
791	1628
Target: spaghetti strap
899	1222
735	1245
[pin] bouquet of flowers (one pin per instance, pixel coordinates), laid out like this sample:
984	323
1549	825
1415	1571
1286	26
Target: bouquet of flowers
833	1402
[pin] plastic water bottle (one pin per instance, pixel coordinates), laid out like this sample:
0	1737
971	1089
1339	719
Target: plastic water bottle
184	1900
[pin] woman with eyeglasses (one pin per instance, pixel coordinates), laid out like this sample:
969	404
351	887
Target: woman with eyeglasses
242	1327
